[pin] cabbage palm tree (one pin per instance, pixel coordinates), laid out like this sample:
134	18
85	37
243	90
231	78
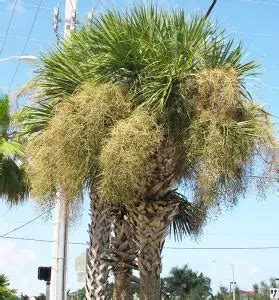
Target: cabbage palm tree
190	119
13	187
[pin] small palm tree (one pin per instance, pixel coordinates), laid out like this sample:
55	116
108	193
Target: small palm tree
13	187
181	114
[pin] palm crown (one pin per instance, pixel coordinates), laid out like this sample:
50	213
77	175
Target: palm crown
186	76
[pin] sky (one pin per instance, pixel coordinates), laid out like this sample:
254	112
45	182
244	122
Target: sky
252	223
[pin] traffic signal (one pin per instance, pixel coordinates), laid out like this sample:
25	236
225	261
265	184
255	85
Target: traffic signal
44	273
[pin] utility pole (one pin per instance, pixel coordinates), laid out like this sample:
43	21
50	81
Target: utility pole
58	290
233	282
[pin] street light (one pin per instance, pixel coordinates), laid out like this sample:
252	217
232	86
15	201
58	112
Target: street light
232	283
28	59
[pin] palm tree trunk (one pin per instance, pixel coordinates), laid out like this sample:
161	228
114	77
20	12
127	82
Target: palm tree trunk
123	284
97	265
150	221
123	257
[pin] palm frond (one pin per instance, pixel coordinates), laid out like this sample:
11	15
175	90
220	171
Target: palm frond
5	118
12	181
10	149
13	187
189	220
33	119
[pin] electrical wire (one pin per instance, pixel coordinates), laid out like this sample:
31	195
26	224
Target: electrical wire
38	240
275	36
21	226
224	248
25	38
27	5
5	212
36	6
258	2
9	26
26	43
168	248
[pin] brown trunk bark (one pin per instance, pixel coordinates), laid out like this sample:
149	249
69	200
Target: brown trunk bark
97	266
123	283
123	254
150	221
150	286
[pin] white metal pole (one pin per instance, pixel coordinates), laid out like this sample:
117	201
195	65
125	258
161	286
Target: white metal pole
70	16
58	290
59	262
47	290
233	282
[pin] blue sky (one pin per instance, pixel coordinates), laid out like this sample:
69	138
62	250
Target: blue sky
252	223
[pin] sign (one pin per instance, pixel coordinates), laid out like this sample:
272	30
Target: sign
274	293
81	267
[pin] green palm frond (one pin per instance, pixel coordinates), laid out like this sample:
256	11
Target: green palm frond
13	187
189	220
10	148
33	119
149	49
4	115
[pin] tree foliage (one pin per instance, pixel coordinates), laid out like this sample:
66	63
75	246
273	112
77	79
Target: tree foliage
183	71
184	115
5	292
65	154
186	283
262	290
41	297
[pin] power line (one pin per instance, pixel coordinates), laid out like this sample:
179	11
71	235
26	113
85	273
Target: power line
24	38
8	28
39	240
36	6
210	8
21	226
171	248
258	2
27	5
275	36
26	43
224	248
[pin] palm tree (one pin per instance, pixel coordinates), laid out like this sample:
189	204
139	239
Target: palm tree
13	187
190	119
